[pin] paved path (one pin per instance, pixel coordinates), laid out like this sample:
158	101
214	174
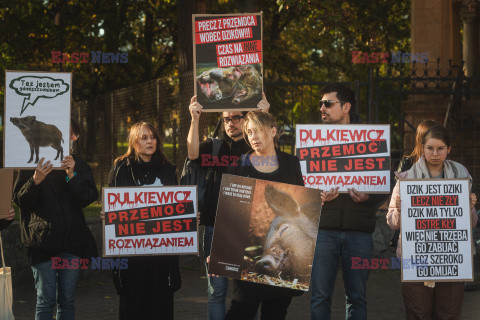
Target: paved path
96	299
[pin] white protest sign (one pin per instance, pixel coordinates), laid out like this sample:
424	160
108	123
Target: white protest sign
150	221
436	230
345	156
37	118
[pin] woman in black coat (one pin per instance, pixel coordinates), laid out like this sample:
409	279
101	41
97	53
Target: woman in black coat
267	163
146	287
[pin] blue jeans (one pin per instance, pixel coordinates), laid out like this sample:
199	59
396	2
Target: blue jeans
333	246
55	286
217	287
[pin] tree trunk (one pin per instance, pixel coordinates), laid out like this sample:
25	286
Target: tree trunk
185	61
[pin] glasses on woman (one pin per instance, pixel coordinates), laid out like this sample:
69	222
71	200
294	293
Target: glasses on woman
234	119
328	103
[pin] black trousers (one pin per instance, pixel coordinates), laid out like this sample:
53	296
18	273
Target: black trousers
272	309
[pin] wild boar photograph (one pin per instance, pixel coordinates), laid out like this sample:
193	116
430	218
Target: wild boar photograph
39	134
232	86
265	232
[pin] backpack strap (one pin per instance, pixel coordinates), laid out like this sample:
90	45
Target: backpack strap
217	143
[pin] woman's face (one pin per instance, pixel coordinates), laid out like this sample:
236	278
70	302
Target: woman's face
435	151
260	140
146	144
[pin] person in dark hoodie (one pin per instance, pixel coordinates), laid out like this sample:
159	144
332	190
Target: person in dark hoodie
53	227
346	226
146	287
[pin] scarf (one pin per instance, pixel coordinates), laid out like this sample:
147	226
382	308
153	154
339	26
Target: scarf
451	170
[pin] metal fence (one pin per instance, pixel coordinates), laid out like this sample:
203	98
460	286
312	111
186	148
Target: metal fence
105	122
403	100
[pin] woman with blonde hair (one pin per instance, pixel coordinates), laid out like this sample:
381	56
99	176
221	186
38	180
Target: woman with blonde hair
146	287
265	162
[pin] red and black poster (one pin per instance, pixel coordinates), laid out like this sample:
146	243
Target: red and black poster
345	156
265	232
227	53
150	221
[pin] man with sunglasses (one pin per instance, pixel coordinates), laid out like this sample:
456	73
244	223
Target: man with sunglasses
346	226
232	147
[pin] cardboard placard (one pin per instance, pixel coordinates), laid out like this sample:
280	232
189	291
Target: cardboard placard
436	230
228	62
265	232
6	186
143	221
345	156
37	118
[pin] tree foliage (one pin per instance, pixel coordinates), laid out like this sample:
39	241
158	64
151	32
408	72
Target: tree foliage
304	40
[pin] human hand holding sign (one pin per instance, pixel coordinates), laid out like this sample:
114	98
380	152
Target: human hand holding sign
68	164
10	214
473	200
195	109
331	194
211	274
358	196
41	171
263	105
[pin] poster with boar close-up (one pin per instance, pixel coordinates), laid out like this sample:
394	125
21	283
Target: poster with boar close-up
227	53
265	232
37	118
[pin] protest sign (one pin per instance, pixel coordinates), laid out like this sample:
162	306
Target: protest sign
436	230
143	221
6	177
265	232
345	156
37	118
227	55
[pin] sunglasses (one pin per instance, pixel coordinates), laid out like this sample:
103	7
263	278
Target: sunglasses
234	119
328	103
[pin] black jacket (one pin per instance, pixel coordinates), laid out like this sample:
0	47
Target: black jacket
343	213
229	151
163	272
288	165
51	216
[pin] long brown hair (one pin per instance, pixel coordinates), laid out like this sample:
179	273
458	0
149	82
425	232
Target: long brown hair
421	130
262	120
133	137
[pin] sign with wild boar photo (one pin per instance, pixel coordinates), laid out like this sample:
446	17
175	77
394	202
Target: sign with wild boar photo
227	55
142	221
345	156
37	118
436	230
265	232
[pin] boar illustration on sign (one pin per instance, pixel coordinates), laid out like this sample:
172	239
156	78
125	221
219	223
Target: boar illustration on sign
290	242
239	84
39	134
